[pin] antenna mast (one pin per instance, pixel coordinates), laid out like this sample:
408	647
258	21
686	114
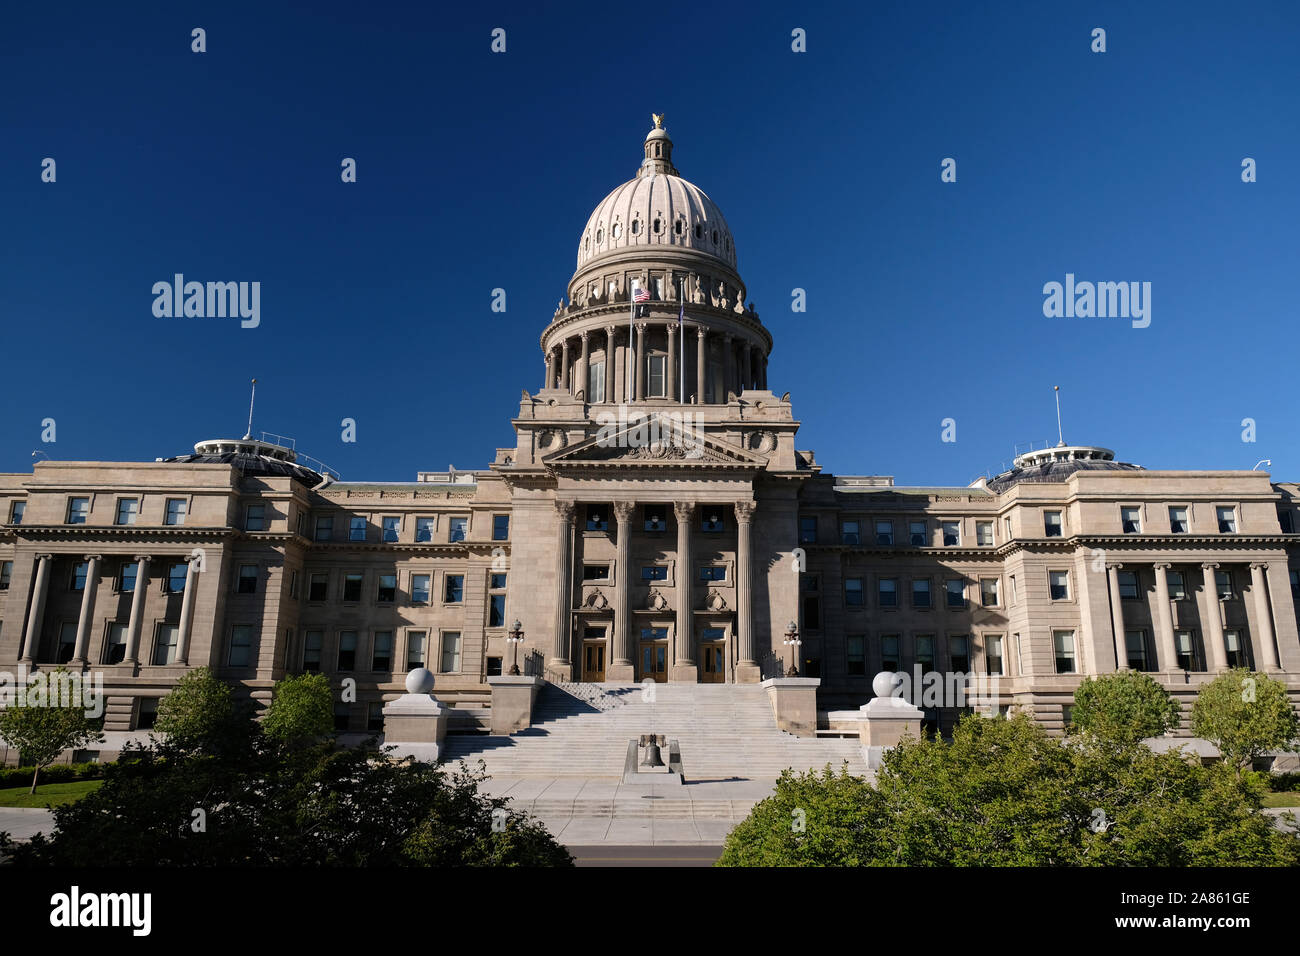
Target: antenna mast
249	433
1059	433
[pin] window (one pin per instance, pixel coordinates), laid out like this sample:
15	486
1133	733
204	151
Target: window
347	650
318	586
654	518
1227	518
311	651
1063	643
16	512
247	579
415	641
654	572
984	534
1131	520
357	528
241	646
853	592
342	717
78	582
386	593
6	572
1015	593
1052	523
597	518
959	654
993	654
352	587
951	534
127	510
889	652
293	584
1006	527
1223	585
925	651
375	716
423	529
115	647
989	592
500	527
888	591
1285	521
451	652
595	572
1236	650
176	508
655	380
165	646
956	593
1188	650
856	653
1058	583
1177	586
381	658
808	529
392	527
713	572
67	642
255	518
1178	520
147	713
916	532
324	529
884	532
921	593
302	523
596	382
811	602
711	521
420	588
1135	643
497	610
1295	584
78	509
176	575
1128	585
454	589
457	529
849	533
126	577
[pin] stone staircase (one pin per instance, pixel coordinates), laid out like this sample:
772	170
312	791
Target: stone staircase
726	731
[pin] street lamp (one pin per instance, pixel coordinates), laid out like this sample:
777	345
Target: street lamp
793	642
514	638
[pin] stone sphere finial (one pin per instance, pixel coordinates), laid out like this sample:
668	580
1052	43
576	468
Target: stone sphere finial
419	681
884	683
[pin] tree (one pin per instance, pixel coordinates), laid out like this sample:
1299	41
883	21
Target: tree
1245	715
199	713
1124	708
49	719
302	709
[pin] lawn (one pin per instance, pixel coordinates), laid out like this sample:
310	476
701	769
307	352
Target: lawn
49	794
1282	799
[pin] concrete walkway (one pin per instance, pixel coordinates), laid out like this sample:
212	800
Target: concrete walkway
23	823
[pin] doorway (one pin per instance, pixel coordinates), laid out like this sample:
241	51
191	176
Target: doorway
593	661
713	663
652	653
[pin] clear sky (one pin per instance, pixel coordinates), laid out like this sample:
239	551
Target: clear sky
477	171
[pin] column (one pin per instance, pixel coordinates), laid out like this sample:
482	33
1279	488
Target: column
550	370
37	614
642	362
137	609
684	664
701	366
1164	621
747	668
728	367
747	368
763	372
1117	617
622	667
584	376
1267	652
671	390
564	583
610	364
87	608
1216	653
564	364
187	610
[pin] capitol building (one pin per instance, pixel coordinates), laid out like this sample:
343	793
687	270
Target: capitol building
654	518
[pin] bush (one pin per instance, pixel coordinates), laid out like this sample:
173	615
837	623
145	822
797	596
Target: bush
1124	708
1245	715
55	773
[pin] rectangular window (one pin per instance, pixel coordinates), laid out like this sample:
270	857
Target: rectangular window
415	649
255	518
454	589
917	534
357	528
342	717
989	592
386	593
595	572
176	577
655	383
126	577
302	523
1006	527
1058	583
176	508
596	382
1052	523
392	527
352	587
451	652
884	532
1178	520
6	572
951	534
856	652
993	654
959	654
849	533
1285	521
241	646
853	592
497	581
247	579
324	528
1188	648
500	527
165	648
293	584
1227	518
127	510
713	572
1128	585
808	529
1177	586
1135	643
889	660
888	592
457	528
956	590
497	610
78	509
78	582
381	659
1236	650
984	534
921	593
1130	520
147	713
597	518
654	518
1063	642
711	520
1295	584
318	586
347	651
16	512
375	716
420	588
811	602
925	651
311	651
424	529
115	649
1223	585
67	642
654	572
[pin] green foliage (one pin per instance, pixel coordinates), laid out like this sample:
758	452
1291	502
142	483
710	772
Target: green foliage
1005	793
302	709
199	713
54	773
1245	715
42	730
1124	708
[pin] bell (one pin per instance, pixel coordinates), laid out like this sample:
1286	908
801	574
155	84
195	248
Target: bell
652	758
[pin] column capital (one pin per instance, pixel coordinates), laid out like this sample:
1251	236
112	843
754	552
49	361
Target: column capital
672	329
565	509
640	328
583	335
44	557
1209	565
745	511
1162	565
92	557
700	331
1259	565
1114	566
684	510
623	511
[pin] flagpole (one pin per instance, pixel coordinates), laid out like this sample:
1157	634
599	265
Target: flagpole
681	328
631	317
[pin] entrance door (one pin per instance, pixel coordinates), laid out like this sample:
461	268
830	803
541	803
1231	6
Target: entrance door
593	661
713	663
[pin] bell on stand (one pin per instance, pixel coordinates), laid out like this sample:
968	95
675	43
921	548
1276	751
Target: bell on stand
652	756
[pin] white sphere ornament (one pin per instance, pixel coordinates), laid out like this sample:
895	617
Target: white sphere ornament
419	681
884	683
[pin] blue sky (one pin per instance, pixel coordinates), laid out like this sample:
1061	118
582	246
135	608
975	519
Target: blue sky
478	170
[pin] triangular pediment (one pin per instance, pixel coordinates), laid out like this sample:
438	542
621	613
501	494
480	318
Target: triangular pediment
656	441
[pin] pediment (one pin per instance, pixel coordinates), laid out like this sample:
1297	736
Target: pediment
656	440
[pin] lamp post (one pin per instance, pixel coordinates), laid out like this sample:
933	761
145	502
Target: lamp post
514	638
793	642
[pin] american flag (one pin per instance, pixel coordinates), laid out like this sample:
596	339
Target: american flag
639	294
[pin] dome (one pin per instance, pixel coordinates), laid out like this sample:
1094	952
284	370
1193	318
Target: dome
1056	464
657	208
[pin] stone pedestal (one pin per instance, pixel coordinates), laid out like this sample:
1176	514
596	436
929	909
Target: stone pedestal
748	673
512	702
416	723
794	702
621	673
886	720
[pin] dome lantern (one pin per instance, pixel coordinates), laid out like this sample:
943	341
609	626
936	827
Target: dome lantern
658	151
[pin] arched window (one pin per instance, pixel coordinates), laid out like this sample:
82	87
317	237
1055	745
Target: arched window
658	226
677	227
600	236
636	227
699	231
616	230
715	237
